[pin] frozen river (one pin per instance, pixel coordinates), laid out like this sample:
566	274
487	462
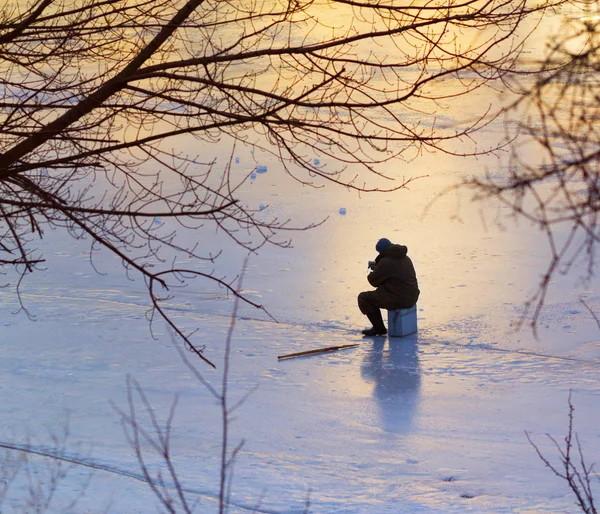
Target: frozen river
435	422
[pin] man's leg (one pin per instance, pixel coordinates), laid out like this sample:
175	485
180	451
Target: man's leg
367	305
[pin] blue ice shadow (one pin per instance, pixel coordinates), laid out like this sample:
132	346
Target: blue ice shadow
393	364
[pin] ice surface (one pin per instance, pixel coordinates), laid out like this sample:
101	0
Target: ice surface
433	422
429	423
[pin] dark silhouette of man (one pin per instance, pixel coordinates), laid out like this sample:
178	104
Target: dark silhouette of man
393	275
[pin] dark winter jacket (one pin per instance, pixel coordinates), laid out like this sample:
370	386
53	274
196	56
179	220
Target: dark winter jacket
395	279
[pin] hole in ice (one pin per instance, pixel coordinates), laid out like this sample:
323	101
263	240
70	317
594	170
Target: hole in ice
261	168
467	496
342	210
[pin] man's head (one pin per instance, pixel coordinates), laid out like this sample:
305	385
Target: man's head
382	244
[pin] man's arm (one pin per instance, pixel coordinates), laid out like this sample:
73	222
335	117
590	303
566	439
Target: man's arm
379	275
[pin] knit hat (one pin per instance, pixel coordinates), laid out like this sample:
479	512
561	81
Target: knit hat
382	244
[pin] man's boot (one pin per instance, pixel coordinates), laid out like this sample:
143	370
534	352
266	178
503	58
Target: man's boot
378	327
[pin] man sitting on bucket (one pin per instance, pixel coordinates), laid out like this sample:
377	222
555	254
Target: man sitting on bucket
393	275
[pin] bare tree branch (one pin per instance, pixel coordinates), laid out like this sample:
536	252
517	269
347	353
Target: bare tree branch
572	467
555	119
96	96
